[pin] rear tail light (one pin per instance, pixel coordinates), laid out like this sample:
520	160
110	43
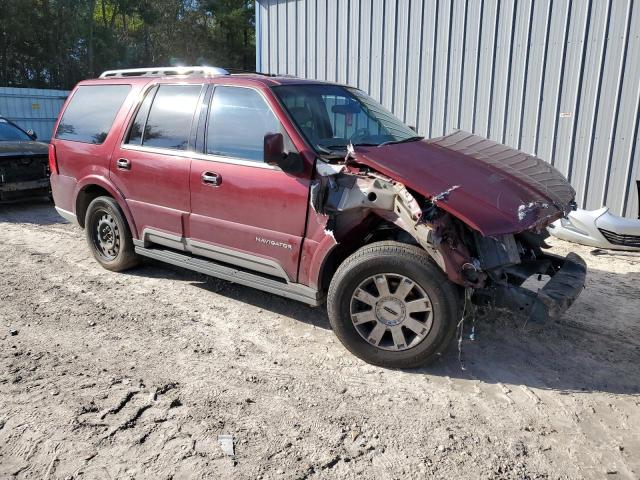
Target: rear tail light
53	161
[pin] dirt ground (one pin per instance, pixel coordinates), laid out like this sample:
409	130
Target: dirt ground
106	375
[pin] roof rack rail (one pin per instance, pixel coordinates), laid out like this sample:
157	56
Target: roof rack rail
164	71
238	71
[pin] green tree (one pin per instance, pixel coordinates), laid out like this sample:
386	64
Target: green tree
56	43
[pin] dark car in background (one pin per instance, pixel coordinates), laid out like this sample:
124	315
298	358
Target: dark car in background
24	164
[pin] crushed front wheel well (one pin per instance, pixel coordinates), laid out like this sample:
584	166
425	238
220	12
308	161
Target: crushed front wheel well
381	230
85	197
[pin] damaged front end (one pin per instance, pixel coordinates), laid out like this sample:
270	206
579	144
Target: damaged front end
494	266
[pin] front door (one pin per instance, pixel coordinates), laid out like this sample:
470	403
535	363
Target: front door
151	167
243	211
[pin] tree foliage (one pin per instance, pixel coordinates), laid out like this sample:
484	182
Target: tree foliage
56	43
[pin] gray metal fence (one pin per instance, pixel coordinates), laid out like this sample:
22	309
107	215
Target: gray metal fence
559	79
32	108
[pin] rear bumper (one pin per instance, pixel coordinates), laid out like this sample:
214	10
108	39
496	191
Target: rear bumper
30	188
567	281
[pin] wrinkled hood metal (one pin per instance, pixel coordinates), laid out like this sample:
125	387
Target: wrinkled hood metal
491	187
22	149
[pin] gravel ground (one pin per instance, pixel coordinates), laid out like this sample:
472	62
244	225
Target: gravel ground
106	375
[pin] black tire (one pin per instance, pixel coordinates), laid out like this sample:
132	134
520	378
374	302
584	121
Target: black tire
388	259
105	213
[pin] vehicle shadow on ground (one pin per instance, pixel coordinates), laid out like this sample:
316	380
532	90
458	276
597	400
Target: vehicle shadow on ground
315	316
37	211
587	350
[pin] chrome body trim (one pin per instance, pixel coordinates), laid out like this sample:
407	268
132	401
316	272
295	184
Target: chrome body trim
212	251
198	156
294	291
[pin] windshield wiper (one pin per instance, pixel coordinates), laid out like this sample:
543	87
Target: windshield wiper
410	139
328	151
333	147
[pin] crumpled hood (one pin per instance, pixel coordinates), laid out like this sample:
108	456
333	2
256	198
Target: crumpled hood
23	149
493	188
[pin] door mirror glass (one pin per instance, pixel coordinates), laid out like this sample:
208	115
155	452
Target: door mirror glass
274	148
276	154
32	134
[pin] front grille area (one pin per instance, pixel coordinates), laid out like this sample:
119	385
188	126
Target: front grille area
23	169
623	240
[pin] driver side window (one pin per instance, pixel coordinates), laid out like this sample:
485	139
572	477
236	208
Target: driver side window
239	118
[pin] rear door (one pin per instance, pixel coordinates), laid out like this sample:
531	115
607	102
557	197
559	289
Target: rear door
151	167
243	211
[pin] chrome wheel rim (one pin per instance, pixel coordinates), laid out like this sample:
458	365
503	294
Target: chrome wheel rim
106	235
391	312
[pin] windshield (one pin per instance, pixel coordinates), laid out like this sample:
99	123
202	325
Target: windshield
11	133
332	116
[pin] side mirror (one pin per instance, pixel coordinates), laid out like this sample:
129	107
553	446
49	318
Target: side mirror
275	154
274	148
412	128
32	134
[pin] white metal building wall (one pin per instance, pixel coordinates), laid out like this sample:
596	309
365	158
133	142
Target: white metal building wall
559	79
32	108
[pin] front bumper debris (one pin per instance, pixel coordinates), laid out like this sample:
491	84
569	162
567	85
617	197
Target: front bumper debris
568	277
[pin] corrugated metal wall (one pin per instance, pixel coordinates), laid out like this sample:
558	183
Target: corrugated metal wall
32	108
559	79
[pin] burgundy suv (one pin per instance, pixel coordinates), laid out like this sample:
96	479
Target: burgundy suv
316	192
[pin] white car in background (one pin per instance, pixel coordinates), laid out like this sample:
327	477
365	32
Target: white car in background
598	228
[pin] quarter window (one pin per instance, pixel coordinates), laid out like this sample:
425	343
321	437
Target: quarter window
137	127
91	112
170	117
239	118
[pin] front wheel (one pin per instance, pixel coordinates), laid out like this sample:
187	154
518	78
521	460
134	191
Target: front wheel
108	235
391	306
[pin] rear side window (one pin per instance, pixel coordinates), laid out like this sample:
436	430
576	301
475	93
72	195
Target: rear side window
137	127
170	116
239	119
89	116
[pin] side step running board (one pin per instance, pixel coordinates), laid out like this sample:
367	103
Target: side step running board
294	291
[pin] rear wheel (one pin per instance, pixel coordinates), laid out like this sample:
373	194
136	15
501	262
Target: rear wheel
109	236
391	306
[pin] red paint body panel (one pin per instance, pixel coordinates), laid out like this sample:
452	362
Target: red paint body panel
63	190
488	198
156	189
250	202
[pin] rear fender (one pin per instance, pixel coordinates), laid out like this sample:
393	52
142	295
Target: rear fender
103	182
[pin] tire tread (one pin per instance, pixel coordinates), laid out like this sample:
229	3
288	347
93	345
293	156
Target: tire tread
398	253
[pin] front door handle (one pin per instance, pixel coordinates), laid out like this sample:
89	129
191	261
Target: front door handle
123	164
210	178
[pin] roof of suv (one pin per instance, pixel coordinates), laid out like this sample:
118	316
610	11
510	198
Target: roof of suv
276	80
264	79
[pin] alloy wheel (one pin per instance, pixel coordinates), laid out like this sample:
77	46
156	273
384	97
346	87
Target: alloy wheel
391	311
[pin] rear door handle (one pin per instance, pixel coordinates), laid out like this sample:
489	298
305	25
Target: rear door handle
123	164
209	178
